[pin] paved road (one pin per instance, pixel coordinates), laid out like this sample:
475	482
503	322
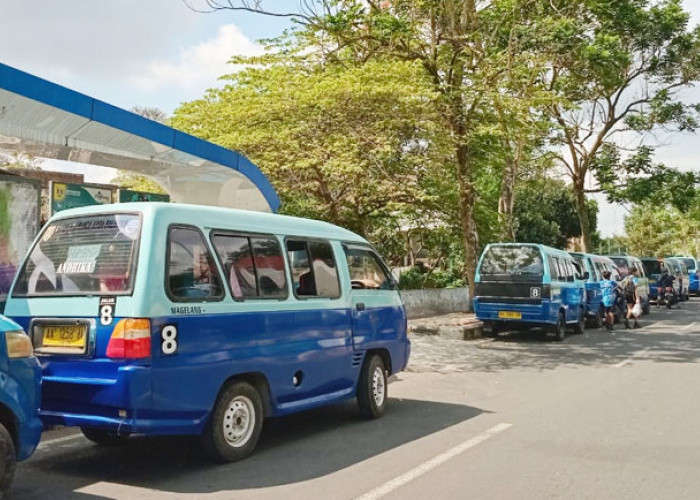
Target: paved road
599	416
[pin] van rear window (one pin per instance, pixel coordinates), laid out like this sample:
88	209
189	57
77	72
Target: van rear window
82	256
512	261
690	264
651	267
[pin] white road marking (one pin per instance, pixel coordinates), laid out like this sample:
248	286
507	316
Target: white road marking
426	467
688	326
631	358
46	444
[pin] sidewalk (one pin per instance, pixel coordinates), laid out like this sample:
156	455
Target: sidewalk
457	326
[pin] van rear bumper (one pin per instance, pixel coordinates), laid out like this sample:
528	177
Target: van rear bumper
544	313
125	426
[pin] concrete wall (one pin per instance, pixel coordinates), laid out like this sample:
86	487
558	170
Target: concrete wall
434	301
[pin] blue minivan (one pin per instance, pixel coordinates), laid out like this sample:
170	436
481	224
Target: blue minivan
593	266
693	274
526	285
20	393
157	318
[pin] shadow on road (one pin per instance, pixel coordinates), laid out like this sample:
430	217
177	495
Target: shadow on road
664	338
292	449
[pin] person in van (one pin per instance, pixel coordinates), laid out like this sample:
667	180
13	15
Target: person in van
629	290
609	290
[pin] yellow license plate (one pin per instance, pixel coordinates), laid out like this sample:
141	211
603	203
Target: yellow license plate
71	336
510	315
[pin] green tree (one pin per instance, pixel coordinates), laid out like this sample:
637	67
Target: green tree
355	146
545	212
658	230
617	68
468	50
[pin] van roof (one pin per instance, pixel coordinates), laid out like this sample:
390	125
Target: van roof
224	218
541	247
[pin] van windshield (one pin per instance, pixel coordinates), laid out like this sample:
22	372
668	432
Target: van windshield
82	256
689	263
509	261
651	267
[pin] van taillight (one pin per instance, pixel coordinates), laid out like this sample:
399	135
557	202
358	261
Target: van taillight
130	339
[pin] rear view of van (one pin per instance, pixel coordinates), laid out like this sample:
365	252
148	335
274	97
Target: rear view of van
523	285
164	319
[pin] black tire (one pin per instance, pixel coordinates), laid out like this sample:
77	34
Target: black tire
580	327
372	388
104	437
229	435
559	329
599	319
8	462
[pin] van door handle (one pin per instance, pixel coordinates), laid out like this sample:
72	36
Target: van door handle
360	306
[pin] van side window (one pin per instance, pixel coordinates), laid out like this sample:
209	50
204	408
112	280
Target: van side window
191	271
237	262
253	265
569	270
269	266
594	272
366	271
553	268
314	270
562	269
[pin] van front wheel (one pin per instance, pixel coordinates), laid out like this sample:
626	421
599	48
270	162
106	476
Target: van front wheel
235	424
8	461
372	388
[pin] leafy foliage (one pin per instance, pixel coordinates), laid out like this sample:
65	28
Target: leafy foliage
545	212
355	146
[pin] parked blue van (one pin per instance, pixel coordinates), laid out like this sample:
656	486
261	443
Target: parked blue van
592	268
20	393
524	285
626	262
693	274
158	318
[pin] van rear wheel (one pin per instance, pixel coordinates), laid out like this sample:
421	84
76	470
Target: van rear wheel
235	425
372	388
559	329
8	461
104	437
580	327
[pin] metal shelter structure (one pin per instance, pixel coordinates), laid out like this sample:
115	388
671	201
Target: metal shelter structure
51	121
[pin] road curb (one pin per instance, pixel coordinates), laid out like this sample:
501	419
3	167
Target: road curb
469	331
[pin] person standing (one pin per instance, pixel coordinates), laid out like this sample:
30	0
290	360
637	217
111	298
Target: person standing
629	289
609	289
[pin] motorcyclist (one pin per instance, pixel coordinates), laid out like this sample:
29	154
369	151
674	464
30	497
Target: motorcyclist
665	281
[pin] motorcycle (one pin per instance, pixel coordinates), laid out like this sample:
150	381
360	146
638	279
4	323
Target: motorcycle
667	296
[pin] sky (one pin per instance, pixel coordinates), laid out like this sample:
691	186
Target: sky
160	53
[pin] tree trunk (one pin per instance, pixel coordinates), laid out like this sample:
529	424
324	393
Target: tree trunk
582	210
506	202
467	199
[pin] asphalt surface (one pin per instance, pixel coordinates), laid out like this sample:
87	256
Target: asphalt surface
601	415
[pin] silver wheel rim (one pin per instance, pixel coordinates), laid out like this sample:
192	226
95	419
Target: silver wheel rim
239	421
378	386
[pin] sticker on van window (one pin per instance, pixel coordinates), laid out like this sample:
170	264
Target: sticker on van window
106	311
80	260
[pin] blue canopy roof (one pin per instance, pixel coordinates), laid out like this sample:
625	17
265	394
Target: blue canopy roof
51	121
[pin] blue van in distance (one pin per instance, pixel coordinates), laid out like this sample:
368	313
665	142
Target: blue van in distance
20	394
156	319
526	285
